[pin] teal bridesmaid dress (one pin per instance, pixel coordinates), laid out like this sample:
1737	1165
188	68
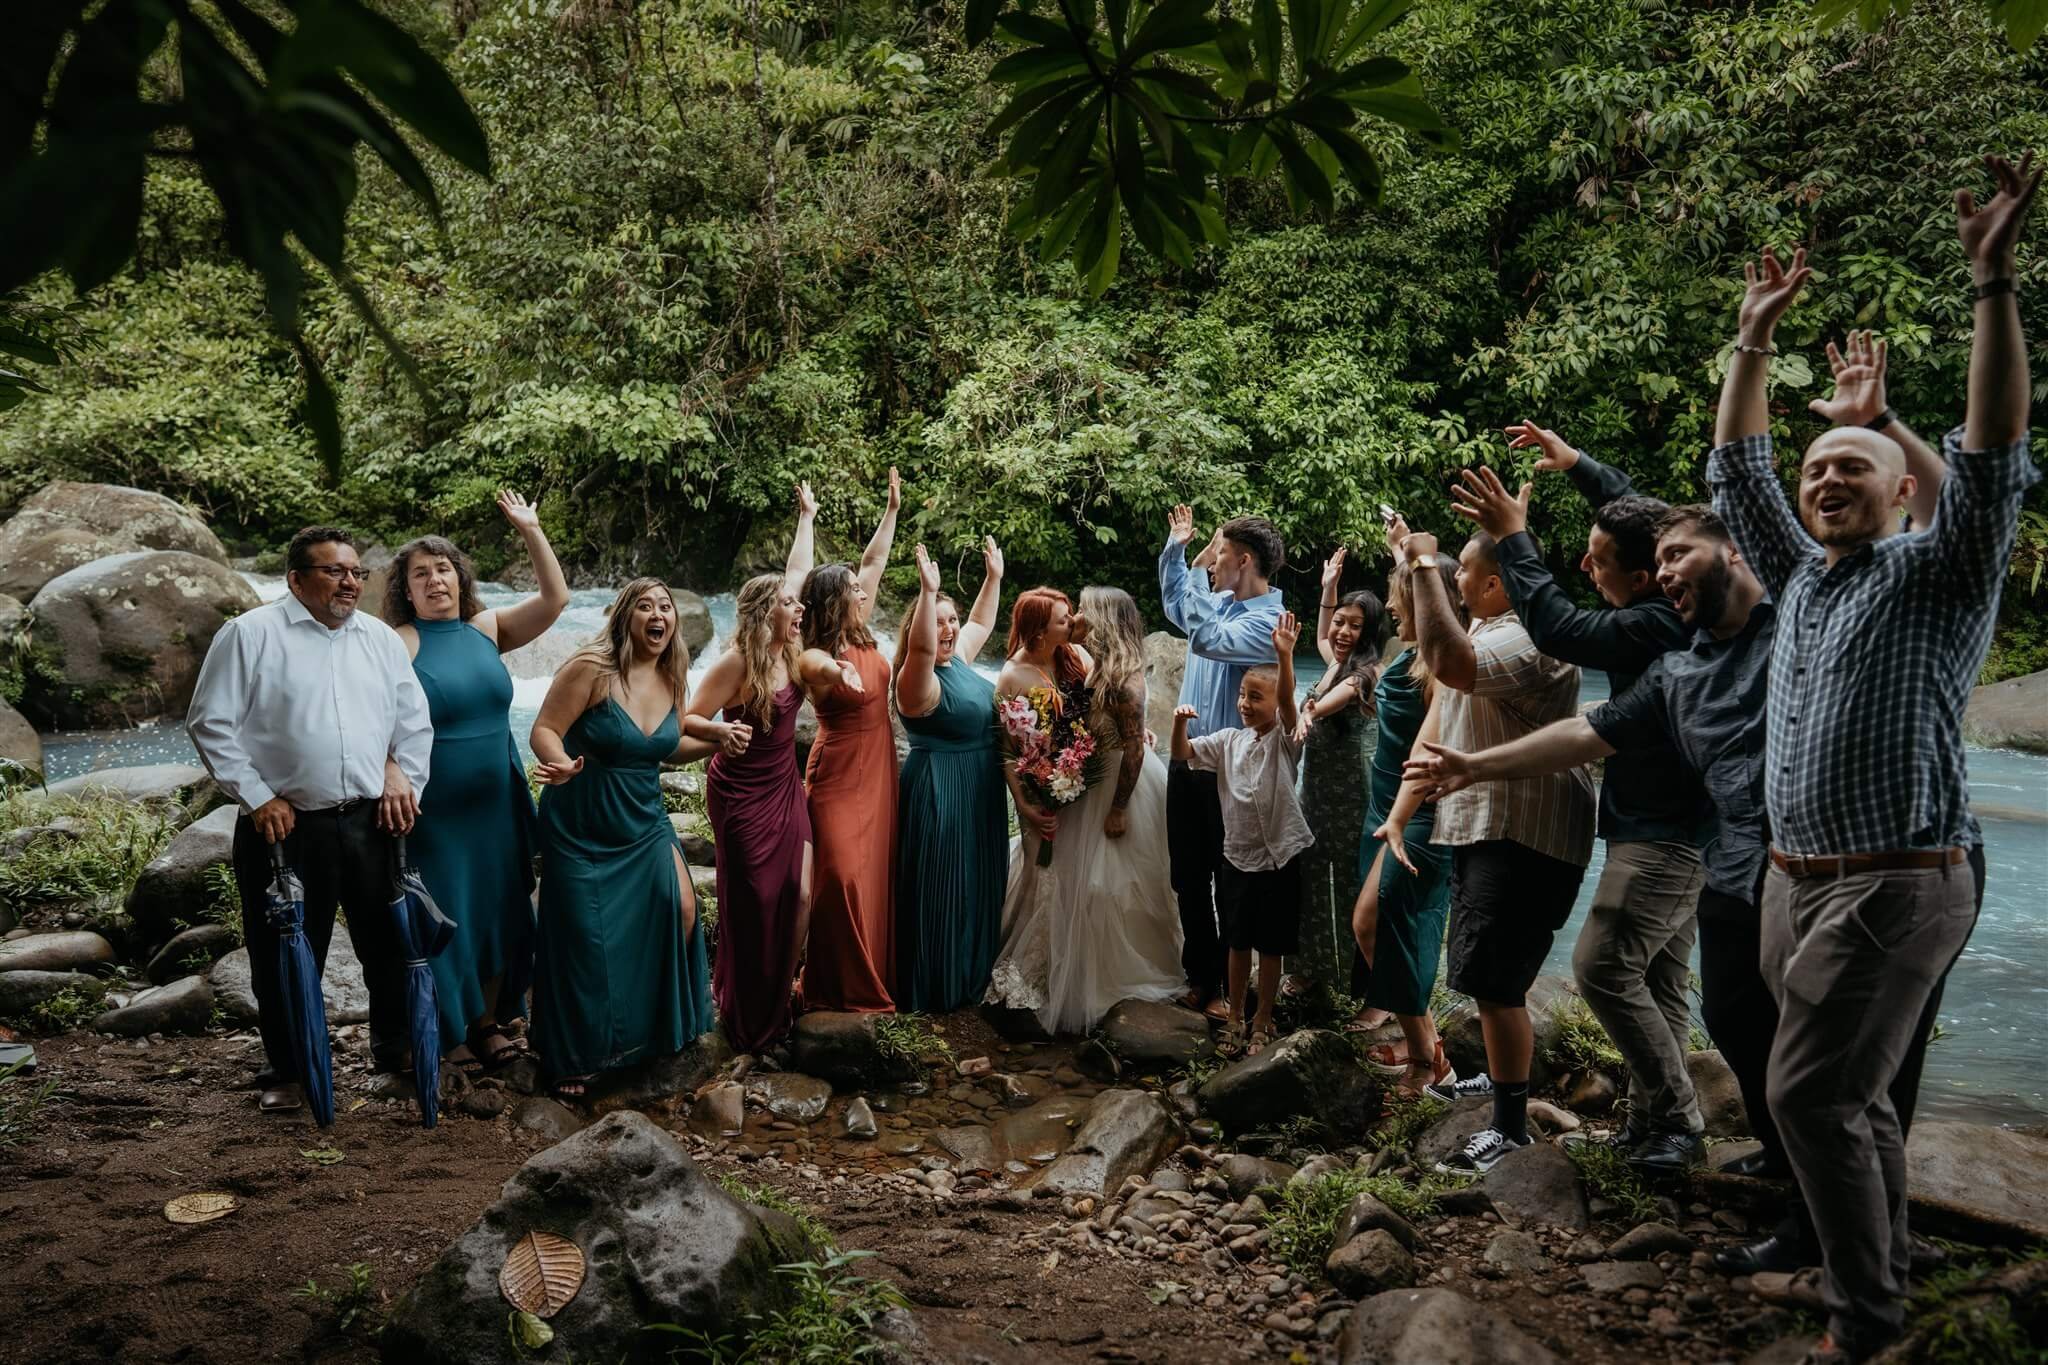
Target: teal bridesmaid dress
953	848
615	979
474	841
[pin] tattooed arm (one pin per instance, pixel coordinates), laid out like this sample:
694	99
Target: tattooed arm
1128	712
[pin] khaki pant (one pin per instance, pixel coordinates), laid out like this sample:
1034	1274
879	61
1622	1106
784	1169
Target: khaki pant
1633	963
1852	961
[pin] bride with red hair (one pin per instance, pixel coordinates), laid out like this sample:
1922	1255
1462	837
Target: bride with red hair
1099	924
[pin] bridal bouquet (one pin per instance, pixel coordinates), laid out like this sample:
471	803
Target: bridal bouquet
1053	750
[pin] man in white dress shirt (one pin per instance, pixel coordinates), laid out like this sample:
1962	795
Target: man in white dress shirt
308	714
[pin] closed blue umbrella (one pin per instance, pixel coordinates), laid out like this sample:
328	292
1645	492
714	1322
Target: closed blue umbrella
305	1012
423	931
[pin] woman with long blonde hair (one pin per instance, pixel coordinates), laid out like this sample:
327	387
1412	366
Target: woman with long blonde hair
620	971
1404	899
747	705
1100	924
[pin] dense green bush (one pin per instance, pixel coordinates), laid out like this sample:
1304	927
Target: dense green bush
617	325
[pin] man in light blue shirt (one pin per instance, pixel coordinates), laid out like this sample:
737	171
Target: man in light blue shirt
1227	607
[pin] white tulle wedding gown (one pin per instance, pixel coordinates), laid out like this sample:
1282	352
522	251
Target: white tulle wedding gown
1100	924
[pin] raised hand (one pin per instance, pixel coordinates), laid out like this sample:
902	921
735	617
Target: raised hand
523	515
1397	531
1184	712
1180	524
1210	551
1443	771
895	489
1286	633
927	572
1558	454
806	501
1859	381
1333	572
1991	233
1483	498
555	774
991	557
734	738
1771	289
1416	544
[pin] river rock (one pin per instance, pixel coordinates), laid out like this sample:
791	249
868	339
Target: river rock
720	1110
1591	1092
1465	1045
974	1148
1990	1173
1370	1263
806	734
693	619
172	889
1309	1074
1433	1327
1713	1082
1537	1184
552	1119
1158	1033
842	1049
120	640
194	950
664	1244
858	1122
21	750
341	983
22	991
1618	1277
1166	662
1043	1131
1367	1212
1246	1174
789	1094
178	784
662	1080
67	951
1646	1241
1516	1253
184	1006
2003	715
1127	1132
698	851
114	517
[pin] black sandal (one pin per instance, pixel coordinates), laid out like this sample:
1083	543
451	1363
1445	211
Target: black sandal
487	1058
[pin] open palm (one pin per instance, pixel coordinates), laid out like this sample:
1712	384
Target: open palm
1859	381
1989	234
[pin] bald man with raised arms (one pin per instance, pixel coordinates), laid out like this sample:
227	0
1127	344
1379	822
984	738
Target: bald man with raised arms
1868	897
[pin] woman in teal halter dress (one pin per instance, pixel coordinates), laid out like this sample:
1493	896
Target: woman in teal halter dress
474	839
953	843
621	974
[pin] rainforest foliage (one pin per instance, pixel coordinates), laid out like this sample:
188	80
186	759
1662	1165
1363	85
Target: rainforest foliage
728	244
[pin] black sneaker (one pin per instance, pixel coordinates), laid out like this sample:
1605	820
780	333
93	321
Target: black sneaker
1450	1090
1482	1152
1669	1153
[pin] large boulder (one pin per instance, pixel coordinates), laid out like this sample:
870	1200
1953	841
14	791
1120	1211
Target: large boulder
1166	662
22	991
178	784
1154	1033
693	620
843	1048
1719	1094
184	1006
52	530
1312	1074
1127	1133
1433	1327
342	988
120	640
1451	1130
21	750
2010	715
1465	1044
1993	1174
662	1244
193	950
172	891
77	950
1537	1184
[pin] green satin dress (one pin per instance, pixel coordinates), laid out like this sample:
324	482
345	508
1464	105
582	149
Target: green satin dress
615	979
953	848
1413	905
474	841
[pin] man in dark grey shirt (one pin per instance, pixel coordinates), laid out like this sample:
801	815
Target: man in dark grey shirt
1634	954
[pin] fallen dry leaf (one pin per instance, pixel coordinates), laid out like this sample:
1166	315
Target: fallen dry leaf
542	1273
203	1207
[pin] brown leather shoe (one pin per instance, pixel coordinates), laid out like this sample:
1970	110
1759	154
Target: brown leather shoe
281	1099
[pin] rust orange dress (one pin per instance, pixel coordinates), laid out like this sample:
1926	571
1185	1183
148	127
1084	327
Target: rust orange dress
850	964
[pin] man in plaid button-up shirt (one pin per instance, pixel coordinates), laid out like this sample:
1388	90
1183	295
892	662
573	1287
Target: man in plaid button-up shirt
1880	636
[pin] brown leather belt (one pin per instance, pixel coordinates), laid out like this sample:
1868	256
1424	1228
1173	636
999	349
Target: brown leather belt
1848	864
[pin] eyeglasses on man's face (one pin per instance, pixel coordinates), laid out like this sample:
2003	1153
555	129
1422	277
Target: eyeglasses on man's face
337	573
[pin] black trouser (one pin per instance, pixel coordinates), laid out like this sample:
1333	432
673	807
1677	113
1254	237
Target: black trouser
1740	1012
1194	844
1796	1228
342	859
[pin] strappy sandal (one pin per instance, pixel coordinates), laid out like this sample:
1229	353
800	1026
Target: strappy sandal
1357	1024
1262	1038
1385	1057
487	1058
1230	1043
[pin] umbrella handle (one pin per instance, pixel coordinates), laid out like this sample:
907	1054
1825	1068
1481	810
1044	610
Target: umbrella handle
277	861
401	850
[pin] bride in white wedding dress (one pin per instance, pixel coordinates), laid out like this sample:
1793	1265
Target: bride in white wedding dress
1099	924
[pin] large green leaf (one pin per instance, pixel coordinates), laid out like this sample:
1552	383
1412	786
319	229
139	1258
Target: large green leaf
1268	36
1406	111
1060	175
1035	97
1373	18
2025	20
1036	64
392	66
1028	144
1032	28
1304	177
1356	160
981	20
1175	24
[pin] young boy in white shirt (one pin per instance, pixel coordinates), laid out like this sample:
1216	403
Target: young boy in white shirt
1258	892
